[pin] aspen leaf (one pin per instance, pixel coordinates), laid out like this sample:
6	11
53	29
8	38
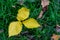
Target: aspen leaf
15	28
31	23
23	14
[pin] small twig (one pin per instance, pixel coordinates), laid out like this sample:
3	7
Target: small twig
40	15
26	32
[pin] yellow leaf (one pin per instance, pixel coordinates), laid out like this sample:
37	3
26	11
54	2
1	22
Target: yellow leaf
31	23
15	28
23	14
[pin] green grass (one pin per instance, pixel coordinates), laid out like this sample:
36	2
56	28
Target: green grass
48	22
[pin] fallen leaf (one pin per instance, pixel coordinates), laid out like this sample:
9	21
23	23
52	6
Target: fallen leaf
31	23
23	14
44	4
15	28
55	37
58	28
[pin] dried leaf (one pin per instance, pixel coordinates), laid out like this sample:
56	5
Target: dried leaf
44	3
58	28
55	37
